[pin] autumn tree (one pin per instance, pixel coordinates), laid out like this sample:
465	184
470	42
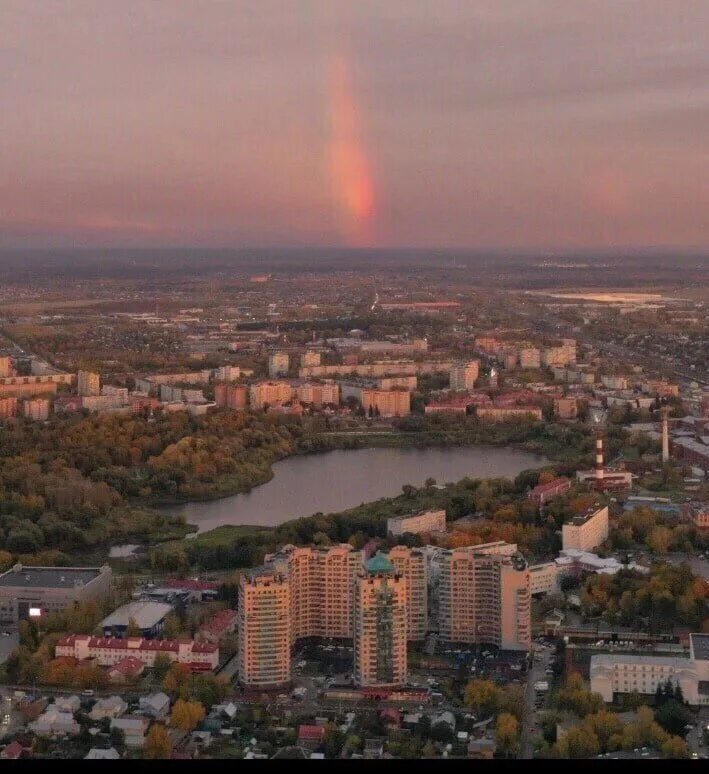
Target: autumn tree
187	715
507	735
178	680
157	742
483	696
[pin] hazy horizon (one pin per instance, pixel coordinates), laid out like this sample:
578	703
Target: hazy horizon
502	125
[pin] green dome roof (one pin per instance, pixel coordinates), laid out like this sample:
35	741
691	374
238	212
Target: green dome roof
380	563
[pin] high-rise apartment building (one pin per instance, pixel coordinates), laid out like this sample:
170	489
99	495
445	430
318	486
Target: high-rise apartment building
464	375
388	403
310	358
37	409
278	364
88	384
485	598
530	357
233	396
8	407
321	579
318	394
379	625
264	629
411	564
271	393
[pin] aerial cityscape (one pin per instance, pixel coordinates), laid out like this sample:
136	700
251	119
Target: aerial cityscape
361	409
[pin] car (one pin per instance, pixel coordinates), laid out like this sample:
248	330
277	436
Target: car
87	692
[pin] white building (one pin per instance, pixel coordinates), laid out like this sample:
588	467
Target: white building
611	674
587	531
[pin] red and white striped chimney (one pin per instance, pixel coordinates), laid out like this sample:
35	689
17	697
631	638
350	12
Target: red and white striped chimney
599	456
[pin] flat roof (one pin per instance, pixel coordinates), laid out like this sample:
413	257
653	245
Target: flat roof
700	646
607	658
49	577
145	614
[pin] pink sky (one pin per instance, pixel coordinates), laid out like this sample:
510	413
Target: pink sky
494	123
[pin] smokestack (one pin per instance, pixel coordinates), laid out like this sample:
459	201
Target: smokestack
665	437
599	456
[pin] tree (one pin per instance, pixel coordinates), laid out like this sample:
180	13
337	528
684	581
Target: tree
507	735
178	680
429	750
187	715
133	630
161	666
483	696
579	742
675	747
172	628
659	540
157	742
673	717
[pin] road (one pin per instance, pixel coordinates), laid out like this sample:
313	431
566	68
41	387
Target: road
530	731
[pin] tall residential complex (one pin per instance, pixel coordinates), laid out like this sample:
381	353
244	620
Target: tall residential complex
278	364
232	396
310	358
379	625
271	393
88	383
321	581
264	628
411	564
485	597
463	375
318	394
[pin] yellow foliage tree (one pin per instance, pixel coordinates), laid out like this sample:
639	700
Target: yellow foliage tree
187	715
157	742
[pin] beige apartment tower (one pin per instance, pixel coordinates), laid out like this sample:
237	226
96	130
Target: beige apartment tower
320	581
269	393
278	364
411	564
379	626
264	629
485	598
464	375
88	384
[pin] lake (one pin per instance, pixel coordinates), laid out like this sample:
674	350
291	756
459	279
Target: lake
336	480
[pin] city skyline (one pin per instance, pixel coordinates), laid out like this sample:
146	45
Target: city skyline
505	125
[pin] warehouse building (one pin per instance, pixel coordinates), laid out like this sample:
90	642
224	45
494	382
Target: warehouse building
32	592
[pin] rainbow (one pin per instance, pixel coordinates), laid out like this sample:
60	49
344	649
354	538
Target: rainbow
350	167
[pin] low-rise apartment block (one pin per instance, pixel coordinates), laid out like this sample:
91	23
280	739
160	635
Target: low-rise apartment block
417	523
107	651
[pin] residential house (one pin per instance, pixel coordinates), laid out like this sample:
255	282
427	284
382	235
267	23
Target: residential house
134	728
110	707
156	705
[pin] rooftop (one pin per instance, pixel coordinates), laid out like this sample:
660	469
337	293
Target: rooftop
145	614
380	563
699	644
49	577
